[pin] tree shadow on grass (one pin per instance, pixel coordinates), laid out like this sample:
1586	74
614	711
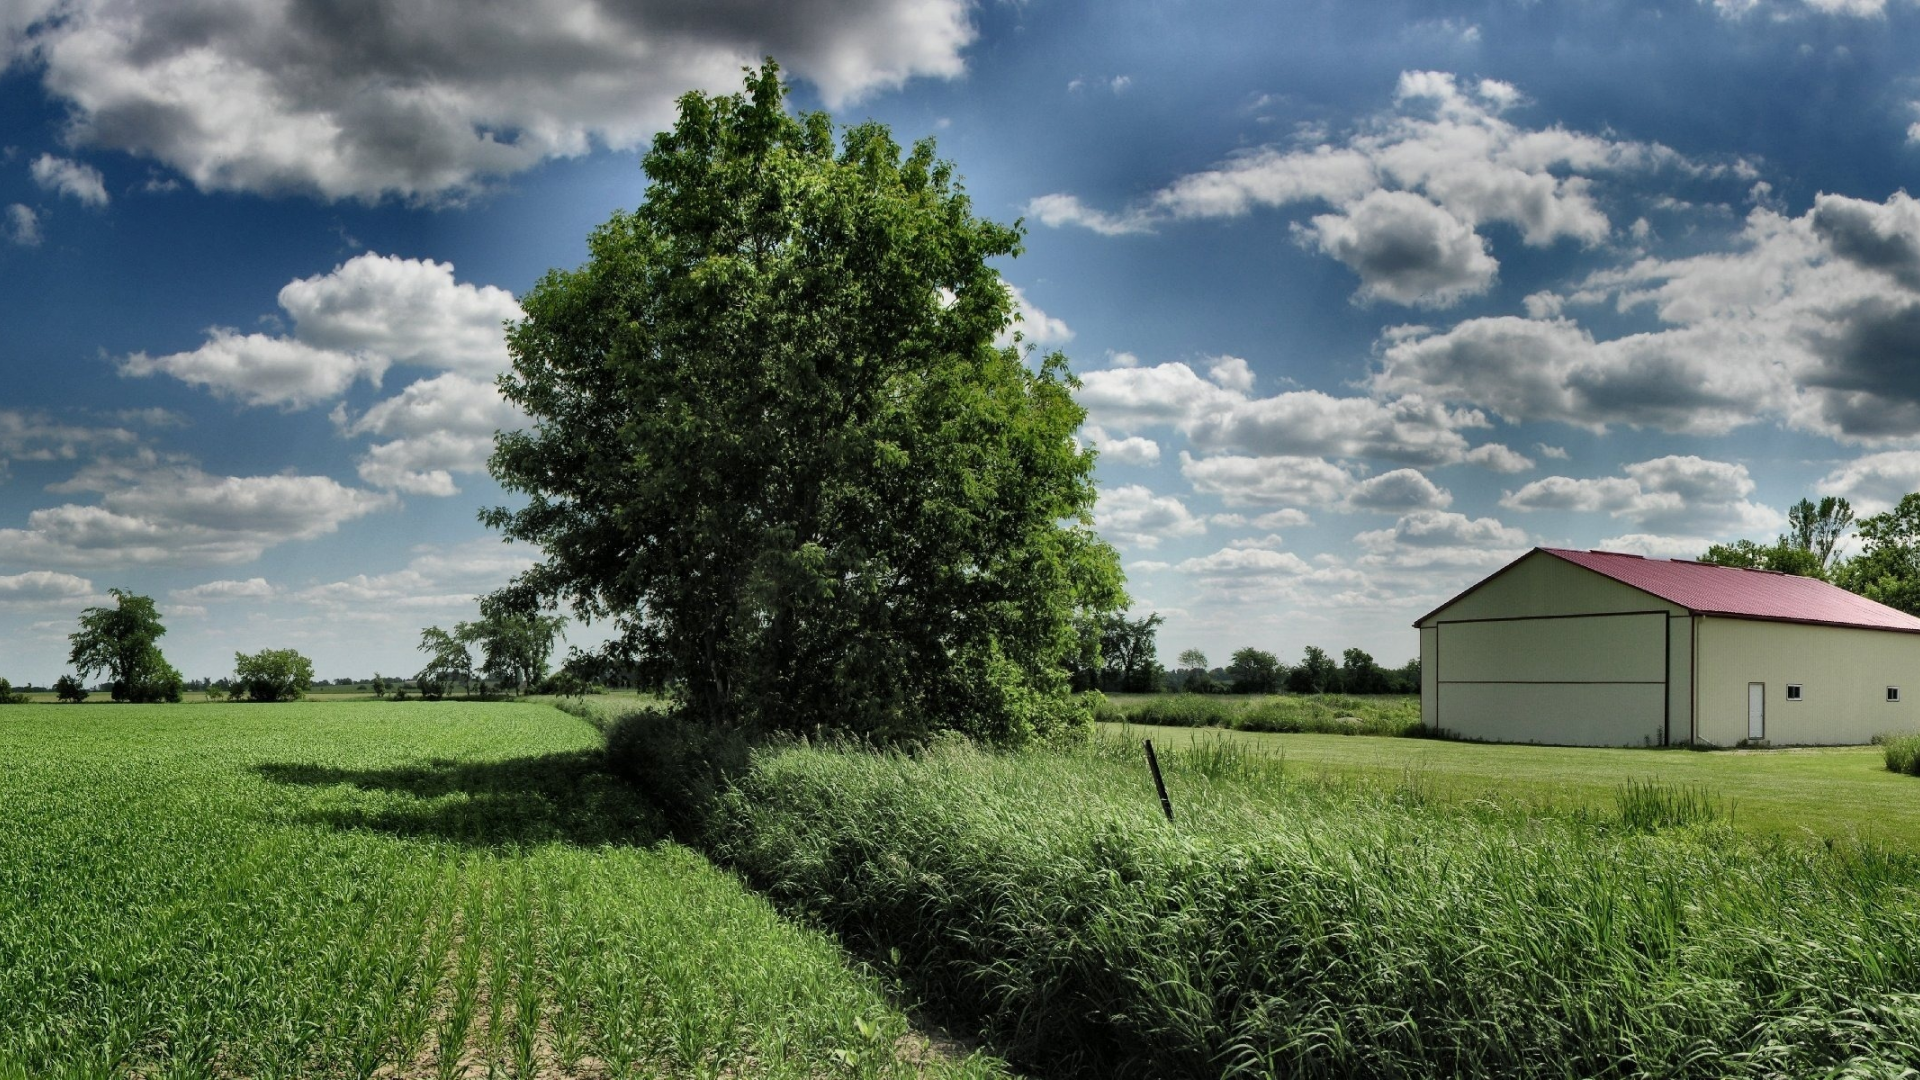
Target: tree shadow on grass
553	798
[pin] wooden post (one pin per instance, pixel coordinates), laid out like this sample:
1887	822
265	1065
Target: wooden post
1153	765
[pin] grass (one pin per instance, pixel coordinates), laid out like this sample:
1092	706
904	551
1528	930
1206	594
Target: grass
1842	793
1328	714
1902	754
413	890
1295	924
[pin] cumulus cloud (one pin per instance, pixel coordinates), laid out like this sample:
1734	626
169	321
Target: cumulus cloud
1268	481
428	100
22	225
1137	517
251	589
1397	491
1405	249
153	513
1219	414
63	176
351	323
1134	450
1674	494
1034	326
1499	458
43	588
34	436
1426	539
435	427
435	580
1876	482
1655	546
1235	562
1410	188
1810	321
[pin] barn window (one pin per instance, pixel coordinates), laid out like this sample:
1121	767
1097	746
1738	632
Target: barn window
1893	693
1793	691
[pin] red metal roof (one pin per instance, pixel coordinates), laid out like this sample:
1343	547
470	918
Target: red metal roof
1745	594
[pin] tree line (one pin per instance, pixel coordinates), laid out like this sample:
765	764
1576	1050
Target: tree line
1120	655
1886	569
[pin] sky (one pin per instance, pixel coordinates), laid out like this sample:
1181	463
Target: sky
1366	299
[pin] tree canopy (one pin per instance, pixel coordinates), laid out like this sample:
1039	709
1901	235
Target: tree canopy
121	641
777	445
1888	566
1806	549
272	675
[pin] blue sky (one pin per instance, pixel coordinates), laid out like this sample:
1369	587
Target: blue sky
1367	298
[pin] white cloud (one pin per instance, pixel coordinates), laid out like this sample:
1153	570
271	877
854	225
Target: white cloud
38	589
63	176
1135	516
1215	417
1245	562
1673	494
1656	546
1410	189
1398	491
33	436
1426	539
1231	373
1554	452
1034	326
251	589
1282	519
260	369
1876	482
443	425
350	324
430	99
435	580
1405	249
1810	322
1134	450
22	225
1501	459
1268	481
154	513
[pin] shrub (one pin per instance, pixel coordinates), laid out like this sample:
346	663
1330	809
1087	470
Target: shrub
272	675
679	765
68	688
1903	753
8	697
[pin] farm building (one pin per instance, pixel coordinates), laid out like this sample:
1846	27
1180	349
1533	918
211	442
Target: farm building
1598	648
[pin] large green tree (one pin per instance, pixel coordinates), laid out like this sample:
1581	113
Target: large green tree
272	675
777	445
1888	566
514	644
122	641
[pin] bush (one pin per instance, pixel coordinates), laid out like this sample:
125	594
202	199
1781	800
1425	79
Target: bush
1903	753
272	675
1293	928
68	688
679	765
8	697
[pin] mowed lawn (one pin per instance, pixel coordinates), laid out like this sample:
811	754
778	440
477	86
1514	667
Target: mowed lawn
1838	793
399	889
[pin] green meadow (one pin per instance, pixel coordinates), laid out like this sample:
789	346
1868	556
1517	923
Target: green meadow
397	889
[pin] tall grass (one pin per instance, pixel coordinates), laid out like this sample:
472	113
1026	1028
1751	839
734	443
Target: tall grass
1903	753
1300	928
1333	714
357	889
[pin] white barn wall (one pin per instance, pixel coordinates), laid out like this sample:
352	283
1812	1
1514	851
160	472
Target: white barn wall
1844	673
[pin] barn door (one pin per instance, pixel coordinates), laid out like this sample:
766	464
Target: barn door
1756	710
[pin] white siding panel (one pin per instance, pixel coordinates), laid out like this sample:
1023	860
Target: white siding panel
1584	714
1581	680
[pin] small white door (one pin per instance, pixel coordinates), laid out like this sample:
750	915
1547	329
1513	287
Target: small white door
1756	710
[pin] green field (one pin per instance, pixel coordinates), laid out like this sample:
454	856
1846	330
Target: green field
362	888
1842	793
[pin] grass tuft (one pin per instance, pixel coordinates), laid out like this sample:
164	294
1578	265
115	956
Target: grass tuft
1903	753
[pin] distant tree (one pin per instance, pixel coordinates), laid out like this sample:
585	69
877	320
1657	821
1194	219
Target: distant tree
1193	676
515	645
121	642
216	692
779	453
68	688
1816	528
379	685
8	697
1781	556
1193	658
1888	566
272	675
1254	671
1360	675
1316	674
448	662
1406	679
1127	653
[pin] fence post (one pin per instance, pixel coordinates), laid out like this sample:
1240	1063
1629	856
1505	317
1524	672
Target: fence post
1153	765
